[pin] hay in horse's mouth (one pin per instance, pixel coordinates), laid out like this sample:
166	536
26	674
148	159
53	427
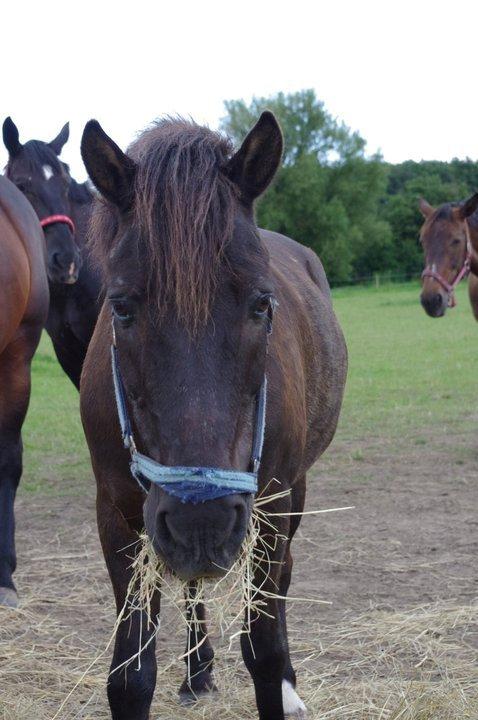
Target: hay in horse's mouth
234	596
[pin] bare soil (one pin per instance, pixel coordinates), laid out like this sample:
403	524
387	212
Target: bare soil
399	639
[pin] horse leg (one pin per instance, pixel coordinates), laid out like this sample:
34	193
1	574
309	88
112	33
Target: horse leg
293	705
199	652
263	644
130	686
14	397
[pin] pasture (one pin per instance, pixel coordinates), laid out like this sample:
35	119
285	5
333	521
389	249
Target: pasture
399	640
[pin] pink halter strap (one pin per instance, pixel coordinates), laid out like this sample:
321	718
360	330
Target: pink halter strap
52	219
465	269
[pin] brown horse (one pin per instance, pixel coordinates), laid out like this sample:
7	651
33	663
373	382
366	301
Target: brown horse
449	237
191	286
23	311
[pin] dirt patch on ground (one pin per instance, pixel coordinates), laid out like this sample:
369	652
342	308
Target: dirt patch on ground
400	639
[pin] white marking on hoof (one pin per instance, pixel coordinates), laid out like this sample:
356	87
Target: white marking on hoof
8	597
48	172
293	705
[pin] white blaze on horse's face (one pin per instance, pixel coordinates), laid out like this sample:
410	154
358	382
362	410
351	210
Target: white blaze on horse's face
48	172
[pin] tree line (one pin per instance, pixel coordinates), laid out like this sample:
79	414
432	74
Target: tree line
359	213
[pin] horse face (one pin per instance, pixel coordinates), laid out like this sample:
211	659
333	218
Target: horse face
444	240
191	387
36	170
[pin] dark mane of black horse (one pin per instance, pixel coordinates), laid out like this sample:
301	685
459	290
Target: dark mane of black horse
35	153
80	193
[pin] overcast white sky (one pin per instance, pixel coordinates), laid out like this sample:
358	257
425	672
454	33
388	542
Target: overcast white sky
401	73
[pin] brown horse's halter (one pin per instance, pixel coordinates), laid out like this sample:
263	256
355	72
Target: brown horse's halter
450	288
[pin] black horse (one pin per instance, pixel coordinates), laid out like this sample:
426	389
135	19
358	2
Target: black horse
192	285
63	207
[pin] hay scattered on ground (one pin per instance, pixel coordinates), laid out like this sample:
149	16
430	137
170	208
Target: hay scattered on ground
387	664
421	664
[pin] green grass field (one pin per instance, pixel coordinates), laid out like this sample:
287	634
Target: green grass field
407	374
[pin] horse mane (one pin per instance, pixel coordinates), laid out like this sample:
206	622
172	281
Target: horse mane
80	193
36	152
183	214
445	211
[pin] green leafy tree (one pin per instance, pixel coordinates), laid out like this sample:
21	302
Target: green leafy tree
327	193
359	214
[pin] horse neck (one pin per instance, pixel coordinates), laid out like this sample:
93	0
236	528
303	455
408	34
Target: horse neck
473	228
80	211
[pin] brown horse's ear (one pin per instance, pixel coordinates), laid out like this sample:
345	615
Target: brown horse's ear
108	167
11	137
469	206
58	142
425	208
255	163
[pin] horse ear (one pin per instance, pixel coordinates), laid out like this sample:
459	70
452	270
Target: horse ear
425	208
255	163
469	206
11	137
57	144
108	167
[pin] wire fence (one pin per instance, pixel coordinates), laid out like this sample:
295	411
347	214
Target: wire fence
377	279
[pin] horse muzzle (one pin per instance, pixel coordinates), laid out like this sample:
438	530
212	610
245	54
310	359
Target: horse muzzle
197	541
434	303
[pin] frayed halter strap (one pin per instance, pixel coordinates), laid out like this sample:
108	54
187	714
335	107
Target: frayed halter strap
190	484
465	269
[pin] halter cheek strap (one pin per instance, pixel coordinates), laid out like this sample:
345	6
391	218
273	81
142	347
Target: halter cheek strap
465	269
52	219
190	484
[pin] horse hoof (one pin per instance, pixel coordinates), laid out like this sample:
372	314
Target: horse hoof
293	705
8	597
200	686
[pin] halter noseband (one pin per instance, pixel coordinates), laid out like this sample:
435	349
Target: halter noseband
190	484
465	269
52	219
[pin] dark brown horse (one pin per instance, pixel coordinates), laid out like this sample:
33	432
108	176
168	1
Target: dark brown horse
191	286
23	311
449	237
64	207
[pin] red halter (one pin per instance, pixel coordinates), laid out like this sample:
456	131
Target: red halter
450	288
52	219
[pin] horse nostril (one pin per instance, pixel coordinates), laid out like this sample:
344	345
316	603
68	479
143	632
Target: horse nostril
439	299
55	260
162	529
240	519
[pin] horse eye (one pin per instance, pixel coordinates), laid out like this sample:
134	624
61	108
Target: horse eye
123	311
455	241
262	304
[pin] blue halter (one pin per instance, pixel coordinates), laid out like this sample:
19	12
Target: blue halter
190	484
